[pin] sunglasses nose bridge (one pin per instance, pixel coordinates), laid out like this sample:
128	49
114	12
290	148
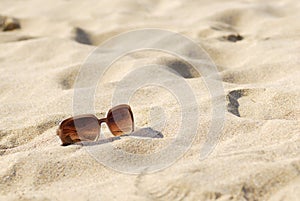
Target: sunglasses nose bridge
103	120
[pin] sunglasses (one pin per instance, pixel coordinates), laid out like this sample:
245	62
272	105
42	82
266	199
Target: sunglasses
87	127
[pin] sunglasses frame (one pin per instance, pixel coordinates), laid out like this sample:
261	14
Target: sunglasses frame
68	140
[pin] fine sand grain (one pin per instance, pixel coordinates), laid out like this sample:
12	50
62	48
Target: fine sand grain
255	45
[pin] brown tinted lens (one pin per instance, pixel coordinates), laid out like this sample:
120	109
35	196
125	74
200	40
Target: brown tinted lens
81	128
120	120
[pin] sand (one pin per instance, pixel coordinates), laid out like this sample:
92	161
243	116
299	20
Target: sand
255	46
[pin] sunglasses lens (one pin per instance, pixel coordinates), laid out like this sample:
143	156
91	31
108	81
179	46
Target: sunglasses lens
81	128
120	120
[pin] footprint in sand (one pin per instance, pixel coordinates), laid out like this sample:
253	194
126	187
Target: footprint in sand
263	104
9	23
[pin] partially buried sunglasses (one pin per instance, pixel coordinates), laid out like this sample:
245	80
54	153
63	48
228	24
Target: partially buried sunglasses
119	120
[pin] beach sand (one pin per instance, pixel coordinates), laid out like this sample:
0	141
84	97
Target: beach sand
255	46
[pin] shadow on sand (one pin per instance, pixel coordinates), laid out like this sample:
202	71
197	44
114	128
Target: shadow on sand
143	133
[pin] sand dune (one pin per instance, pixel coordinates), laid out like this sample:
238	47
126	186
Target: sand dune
255	46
